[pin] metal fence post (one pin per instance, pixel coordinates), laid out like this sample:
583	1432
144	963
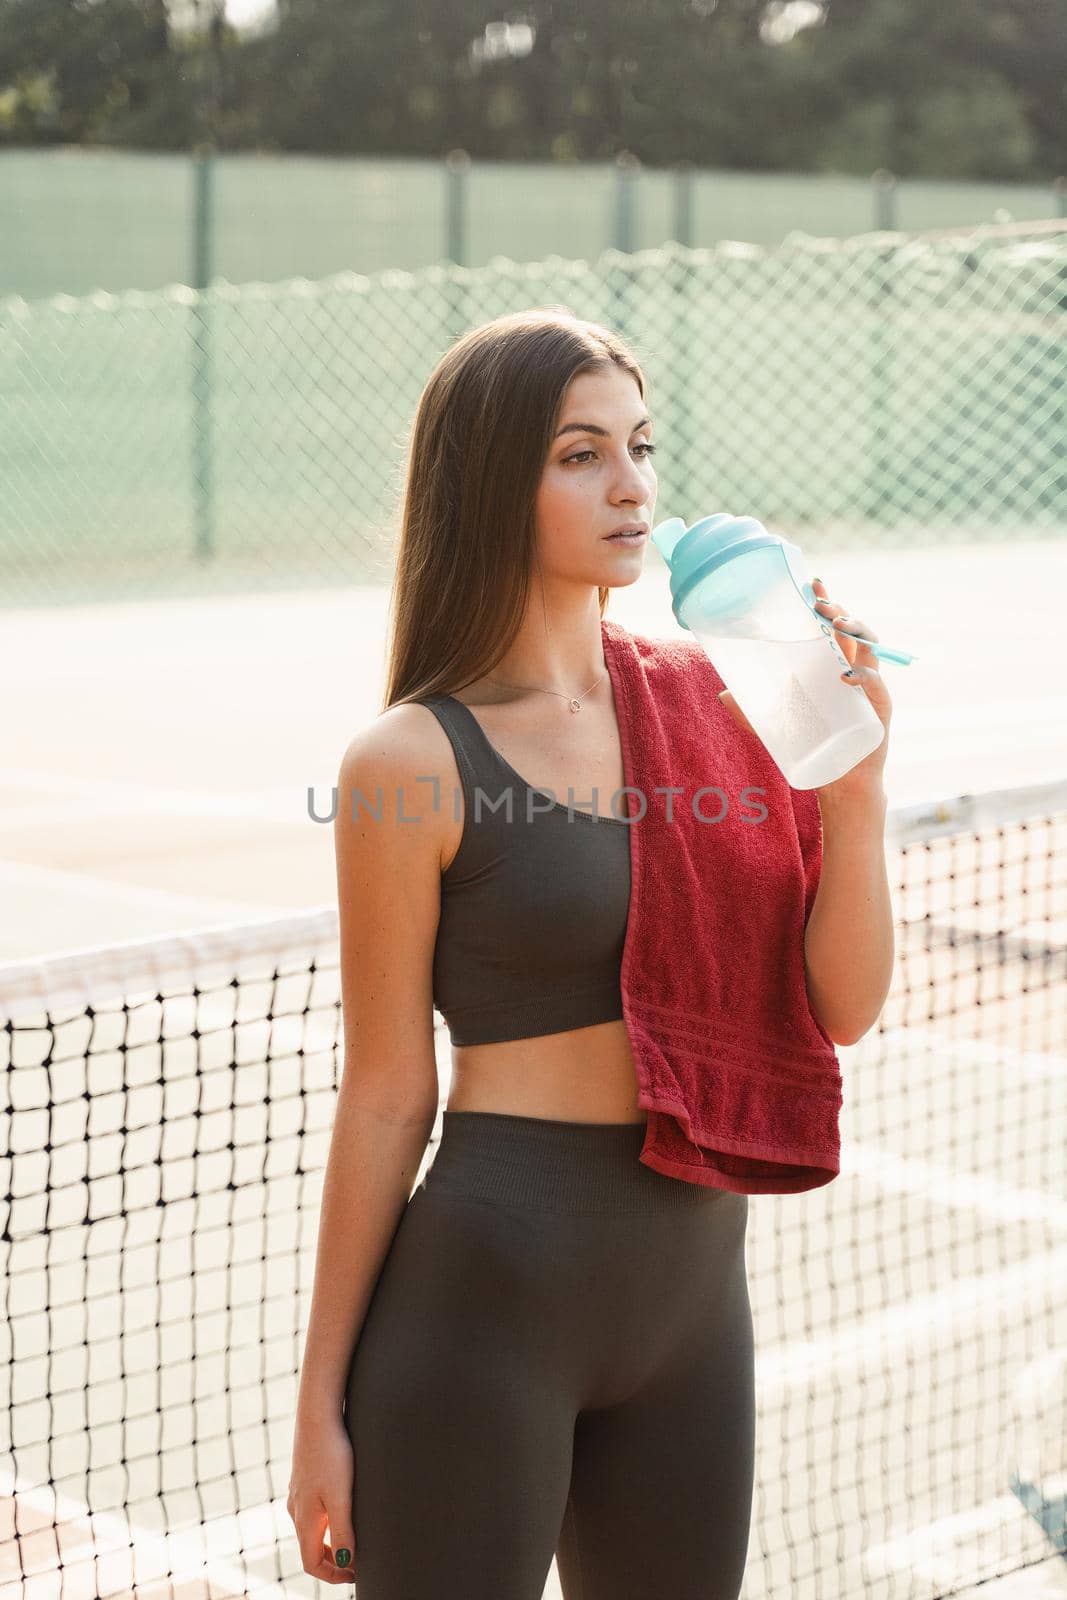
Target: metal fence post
203	216
882	472
618	277
683	361
885	200
627	169
457	168
457	193
683	203
683	483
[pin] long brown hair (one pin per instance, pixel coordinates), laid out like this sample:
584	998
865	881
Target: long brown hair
478	444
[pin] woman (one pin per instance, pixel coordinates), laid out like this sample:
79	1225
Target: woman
490	1376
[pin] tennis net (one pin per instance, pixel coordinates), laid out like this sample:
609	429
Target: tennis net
166	1117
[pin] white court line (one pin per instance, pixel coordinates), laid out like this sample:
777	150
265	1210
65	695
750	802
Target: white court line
278	809
107	798
187	1553
1012	713
800	1362
915	1326
974	1192
1036	1066
113	892
916	755
920	749
933	1552
968	736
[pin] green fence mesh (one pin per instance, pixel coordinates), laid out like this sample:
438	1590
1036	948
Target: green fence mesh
77	218
883	389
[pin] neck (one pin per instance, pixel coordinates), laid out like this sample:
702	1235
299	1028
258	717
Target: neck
566	656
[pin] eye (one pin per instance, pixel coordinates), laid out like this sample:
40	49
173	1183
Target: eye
643	444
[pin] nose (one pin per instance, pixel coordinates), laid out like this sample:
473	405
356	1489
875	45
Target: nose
632	484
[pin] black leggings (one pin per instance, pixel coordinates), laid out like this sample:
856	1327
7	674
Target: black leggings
557	1359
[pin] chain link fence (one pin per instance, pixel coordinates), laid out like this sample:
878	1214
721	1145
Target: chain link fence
80	218
886	389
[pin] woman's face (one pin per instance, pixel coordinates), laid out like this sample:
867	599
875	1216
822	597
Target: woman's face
594	482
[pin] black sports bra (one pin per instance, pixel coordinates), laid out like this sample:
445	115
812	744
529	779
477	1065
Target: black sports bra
533	904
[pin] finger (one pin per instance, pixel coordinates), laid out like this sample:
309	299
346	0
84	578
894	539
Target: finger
309	1532
870	680
853	635
828	609
310	1524
328	1570
342	1541
855	628
830	613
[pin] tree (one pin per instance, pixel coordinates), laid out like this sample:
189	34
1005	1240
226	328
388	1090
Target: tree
947	90
951	89
72	71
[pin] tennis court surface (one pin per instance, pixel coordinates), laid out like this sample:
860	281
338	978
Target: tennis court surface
171	1057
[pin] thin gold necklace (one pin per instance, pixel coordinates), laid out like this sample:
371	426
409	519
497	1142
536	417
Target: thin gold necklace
574	702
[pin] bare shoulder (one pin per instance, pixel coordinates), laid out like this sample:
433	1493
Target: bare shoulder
401	766
387	834
401	733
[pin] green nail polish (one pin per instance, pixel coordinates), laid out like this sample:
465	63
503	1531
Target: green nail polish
343	1557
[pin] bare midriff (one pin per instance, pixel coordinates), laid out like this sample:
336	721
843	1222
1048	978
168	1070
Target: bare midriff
583	1074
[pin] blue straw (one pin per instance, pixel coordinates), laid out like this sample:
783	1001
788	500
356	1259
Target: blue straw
882	650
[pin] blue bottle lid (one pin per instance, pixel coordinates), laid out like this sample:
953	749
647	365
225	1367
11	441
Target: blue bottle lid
692	553
710	545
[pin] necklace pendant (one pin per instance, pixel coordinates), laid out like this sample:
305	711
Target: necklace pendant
576	705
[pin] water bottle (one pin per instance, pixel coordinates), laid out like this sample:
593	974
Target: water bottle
744	593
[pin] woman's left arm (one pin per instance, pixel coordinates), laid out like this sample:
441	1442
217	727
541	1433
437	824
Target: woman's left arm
848	941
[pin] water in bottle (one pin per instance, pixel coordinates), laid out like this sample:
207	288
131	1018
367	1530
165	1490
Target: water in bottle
745	595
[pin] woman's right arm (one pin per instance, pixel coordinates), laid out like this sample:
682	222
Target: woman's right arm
388	885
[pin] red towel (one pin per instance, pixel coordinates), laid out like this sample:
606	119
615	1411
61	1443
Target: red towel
741	1082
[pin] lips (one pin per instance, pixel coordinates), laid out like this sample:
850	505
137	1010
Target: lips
636	531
